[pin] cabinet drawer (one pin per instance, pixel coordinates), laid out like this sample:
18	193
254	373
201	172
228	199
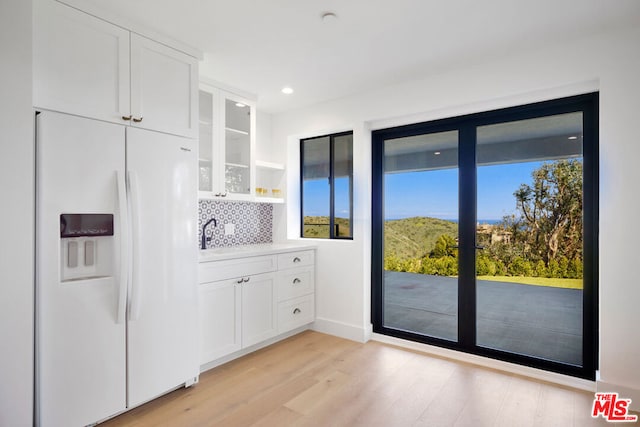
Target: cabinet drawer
239	267
295	312
295	259
295	283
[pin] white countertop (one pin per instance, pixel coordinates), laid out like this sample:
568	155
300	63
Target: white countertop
218	254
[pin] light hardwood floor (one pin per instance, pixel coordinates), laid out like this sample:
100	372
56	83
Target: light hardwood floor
313	379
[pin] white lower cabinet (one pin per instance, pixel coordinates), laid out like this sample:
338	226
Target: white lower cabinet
220	310
258	309
296	289
295	312
247	300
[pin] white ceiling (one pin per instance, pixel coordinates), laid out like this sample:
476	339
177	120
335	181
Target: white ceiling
260	46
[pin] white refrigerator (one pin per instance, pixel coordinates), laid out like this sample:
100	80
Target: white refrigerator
116	267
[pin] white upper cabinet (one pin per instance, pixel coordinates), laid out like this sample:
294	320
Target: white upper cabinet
164	88
227	143
86	66
80	63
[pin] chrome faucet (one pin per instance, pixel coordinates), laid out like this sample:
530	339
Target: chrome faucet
204	239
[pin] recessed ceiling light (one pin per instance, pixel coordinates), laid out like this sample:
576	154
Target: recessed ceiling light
329	17
573	137
287	90
240	105
436	153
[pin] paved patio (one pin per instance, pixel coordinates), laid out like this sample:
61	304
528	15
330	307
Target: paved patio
532	320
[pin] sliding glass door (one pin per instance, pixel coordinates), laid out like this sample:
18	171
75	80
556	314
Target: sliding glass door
421	234
485	234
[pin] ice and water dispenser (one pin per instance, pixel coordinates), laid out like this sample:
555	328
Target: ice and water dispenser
86	246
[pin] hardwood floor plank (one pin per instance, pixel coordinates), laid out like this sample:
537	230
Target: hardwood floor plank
313	379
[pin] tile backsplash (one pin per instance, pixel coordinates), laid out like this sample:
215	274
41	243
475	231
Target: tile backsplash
253	222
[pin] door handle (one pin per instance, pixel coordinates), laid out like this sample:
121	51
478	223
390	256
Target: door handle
134	271
124	246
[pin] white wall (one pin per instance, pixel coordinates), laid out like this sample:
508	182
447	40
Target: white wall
16	215
608	62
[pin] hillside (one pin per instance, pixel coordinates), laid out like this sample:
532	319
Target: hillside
315	226
406	238
414	237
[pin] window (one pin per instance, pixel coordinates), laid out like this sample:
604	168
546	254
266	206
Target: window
327	186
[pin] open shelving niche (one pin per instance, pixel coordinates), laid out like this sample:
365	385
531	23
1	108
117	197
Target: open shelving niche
270	176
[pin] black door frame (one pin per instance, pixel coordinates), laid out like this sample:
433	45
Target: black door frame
466	126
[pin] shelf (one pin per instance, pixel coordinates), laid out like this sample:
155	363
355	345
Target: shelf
237	165
269	165
265	199
241	132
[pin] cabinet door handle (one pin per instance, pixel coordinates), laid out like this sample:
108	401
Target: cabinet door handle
296	259
240	280
127	118
296	281
246	279
296	310
223	194
137	120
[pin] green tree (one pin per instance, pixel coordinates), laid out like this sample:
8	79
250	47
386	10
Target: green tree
540	270
520	267
445	246
551	210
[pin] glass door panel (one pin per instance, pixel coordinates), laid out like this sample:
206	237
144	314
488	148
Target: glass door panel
205	153
237	149
529	237
420	216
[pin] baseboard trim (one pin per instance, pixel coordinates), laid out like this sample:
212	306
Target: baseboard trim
342	330
512	368
623	391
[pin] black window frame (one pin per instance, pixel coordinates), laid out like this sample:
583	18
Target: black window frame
588	104
332	228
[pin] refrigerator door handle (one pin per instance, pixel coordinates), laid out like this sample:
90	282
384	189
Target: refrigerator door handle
134	304
124	246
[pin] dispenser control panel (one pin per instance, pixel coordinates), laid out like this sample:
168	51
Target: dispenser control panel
86	225
86	246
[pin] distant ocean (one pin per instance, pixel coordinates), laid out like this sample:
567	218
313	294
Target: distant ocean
480	221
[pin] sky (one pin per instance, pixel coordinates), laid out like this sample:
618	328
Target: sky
431	193
435	193
317	197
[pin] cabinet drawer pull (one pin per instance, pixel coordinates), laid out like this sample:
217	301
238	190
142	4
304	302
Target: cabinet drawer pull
296	310
246	279
296	281
127	118
296	259
240	280
137	120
